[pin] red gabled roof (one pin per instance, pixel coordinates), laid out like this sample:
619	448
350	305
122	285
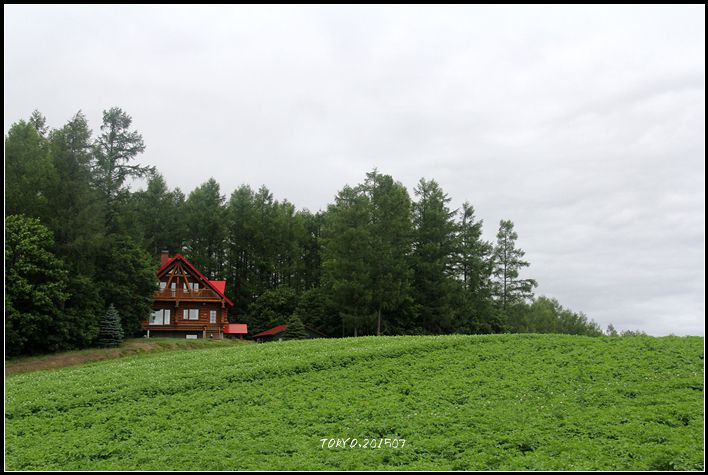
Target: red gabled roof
272	331
236	328
217	286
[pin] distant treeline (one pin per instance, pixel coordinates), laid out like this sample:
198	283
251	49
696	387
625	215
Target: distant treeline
377	261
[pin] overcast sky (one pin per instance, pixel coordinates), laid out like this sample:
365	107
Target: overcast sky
583	125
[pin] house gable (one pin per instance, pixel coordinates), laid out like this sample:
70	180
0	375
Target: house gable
178	273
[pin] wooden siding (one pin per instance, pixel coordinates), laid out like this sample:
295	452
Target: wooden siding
178	323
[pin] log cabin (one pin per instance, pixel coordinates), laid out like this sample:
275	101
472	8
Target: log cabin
187	304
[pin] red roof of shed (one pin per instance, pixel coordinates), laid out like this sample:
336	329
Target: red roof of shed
217	286
237	328
272	331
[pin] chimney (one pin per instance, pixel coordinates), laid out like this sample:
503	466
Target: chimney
164	257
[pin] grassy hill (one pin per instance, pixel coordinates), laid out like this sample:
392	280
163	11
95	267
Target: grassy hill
497	402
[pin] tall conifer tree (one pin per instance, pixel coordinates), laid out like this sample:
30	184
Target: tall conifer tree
508	261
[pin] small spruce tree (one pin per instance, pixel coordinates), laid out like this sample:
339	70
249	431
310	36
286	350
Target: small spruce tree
111	333
295	330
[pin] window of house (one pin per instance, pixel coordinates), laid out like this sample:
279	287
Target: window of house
190	313
160	317
212	316
195	286
163	285
156	315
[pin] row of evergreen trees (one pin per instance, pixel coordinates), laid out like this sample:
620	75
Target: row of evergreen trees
69	253
376	261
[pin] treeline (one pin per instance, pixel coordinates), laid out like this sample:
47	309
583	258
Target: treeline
376	261
70	249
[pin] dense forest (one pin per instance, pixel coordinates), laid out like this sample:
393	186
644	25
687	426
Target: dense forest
377	261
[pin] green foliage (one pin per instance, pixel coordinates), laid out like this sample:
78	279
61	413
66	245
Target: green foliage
114	150
160	214
39	122
296	330
77	211
434	247
347	260
633	333
316	310
507	263
204	219
272	308
366	246
390	244
547	315
82	310
309	264
491	402
127	280
29	172
269	244
78	225
36	289
111	332
76	187
240	250
473	266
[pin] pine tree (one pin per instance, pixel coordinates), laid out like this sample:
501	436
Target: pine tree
477	313
509	289
346	258
77	211
159	214
204	216
39	122
390	243
434	247
114	150
111	332
296	330
239	249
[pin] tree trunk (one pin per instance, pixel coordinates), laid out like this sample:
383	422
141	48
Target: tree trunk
378	323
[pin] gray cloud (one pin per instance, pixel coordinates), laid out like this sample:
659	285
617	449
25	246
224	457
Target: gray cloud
584	125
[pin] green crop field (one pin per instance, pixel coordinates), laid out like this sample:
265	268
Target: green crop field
497	402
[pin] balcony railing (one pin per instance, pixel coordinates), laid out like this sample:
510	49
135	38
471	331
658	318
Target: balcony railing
183	294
